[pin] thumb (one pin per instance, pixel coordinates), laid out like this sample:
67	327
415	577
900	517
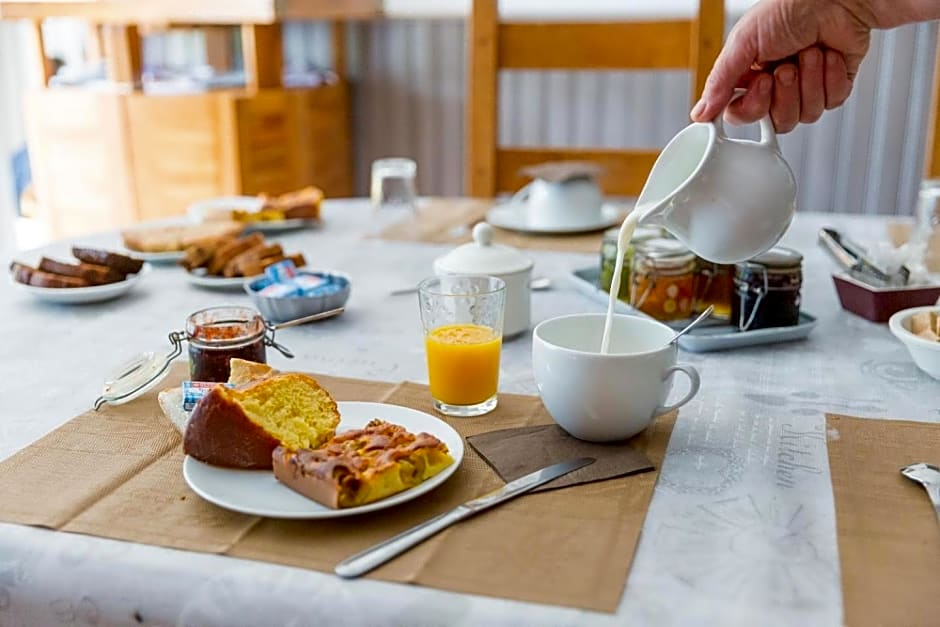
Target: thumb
732	65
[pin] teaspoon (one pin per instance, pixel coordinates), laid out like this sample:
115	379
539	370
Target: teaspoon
928	476
702	316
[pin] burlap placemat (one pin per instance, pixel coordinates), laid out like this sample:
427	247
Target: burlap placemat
117	474
450	221
889	539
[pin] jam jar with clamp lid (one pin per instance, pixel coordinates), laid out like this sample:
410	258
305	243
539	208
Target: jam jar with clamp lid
663	279
767	290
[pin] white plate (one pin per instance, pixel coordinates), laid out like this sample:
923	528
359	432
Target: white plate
84	295
216	282
167	257
258	493
511	216
204	210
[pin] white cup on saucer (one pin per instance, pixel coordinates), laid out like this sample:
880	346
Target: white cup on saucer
573	203
606	397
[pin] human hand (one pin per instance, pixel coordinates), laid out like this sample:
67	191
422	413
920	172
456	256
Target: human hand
795	58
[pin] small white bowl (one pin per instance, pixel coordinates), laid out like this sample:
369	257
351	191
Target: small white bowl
925	353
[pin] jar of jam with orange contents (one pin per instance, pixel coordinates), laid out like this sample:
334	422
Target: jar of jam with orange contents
663	279
714	286
609	257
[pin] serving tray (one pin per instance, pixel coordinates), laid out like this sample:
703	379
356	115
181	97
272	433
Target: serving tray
711	335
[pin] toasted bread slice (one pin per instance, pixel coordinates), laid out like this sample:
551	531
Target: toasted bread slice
21	272
39	278
95	275
229	251
121	263
179	237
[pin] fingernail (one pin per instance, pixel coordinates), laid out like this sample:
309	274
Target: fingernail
813	57
786	75
697	109
764	85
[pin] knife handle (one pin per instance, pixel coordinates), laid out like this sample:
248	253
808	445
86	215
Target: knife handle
373	557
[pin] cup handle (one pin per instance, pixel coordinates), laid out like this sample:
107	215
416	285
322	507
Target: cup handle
695	383
768	136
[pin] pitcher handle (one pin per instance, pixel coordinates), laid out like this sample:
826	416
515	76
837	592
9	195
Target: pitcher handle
768	135
695	383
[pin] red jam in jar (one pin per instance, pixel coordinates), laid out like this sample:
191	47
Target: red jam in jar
219	334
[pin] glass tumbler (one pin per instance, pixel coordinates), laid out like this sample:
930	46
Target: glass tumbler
463	334
393	190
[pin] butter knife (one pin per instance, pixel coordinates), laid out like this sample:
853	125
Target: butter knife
363	562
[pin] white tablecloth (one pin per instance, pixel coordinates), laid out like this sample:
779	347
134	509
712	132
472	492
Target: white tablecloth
741	530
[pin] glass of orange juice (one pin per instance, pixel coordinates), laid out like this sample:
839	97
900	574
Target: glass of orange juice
463	334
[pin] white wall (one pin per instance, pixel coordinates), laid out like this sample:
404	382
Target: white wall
13	79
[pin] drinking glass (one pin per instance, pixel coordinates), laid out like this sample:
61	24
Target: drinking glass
393	186
463	334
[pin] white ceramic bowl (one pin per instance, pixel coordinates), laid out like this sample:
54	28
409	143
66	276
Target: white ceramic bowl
925	353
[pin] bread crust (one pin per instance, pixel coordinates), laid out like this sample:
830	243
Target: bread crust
220	433
362	465
95	275
38	278
121	263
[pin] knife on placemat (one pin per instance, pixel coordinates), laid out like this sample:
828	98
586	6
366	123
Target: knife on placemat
361	563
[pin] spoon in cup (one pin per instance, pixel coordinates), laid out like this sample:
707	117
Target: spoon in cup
702	316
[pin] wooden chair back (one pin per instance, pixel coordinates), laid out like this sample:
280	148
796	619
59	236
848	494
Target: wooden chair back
691	44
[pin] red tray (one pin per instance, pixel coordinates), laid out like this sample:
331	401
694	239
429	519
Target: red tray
880	303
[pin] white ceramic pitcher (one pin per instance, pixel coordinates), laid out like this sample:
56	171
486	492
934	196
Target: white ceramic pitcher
727	199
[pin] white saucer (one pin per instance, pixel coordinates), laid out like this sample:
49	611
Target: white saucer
84	295
512	216
220	207
200	279
258	493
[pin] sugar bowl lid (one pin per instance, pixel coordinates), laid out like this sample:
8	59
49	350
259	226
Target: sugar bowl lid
482	256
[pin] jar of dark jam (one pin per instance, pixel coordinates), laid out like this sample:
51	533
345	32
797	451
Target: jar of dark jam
219	334
767	290
714	286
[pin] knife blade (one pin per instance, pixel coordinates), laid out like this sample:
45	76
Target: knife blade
363	562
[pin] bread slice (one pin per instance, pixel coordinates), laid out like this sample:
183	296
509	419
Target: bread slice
178	237
121	263
241	427
243	372
95	275
21	272
234	267
38	278
363	465
229	251
171	402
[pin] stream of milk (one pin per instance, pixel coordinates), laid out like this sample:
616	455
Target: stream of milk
623	241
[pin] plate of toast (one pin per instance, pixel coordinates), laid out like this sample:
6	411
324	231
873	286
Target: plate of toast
225	263
263	213
167	244
95	275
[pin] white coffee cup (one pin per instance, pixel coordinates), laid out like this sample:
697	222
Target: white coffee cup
560	204
606	397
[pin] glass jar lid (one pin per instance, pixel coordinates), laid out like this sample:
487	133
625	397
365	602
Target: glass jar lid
139	375
224	327
640	234
779	258
665	253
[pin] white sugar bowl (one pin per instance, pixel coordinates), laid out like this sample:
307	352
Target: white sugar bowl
484	257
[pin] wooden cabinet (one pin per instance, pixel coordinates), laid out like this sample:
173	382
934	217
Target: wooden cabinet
107	159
